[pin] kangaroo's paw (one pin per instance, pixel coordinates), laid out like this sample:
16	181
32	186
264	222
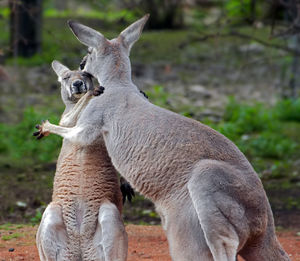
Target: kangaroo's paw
127	190
41	130
98	90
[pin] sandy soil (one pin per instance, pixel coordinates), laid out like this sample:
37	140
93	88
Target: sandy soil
145	243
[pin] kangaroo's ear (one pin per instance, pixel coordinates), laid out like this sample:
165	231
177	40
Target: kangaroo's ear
132	33
59	68
86	35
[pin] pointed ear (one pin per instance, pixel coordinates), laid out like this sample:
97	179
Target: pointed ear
132	33
59	68
86	35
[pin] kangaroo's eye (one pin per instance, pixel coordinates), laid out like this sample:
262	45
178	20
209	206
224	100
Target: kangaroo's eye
86	74
82	63
66	78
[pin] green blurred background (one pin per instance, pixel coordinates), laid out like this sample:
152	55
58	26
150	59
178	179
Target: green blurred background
233	65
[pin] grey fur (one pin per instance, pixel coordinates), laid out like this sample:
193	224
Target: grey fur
83	220
211	201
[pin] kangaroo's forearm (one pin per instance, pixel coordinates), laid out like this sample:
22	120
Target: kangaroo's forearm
70	118
83	135
65	132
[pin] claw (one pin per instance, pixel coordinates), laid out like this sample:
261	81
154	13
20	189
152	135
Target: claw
127	191
36	133
40	136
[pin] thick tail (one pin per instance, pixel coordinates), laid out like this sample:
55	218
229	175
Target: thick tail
265	247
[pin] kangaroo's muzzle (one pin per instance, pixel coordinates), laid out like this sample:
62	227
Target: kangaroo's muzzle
78	87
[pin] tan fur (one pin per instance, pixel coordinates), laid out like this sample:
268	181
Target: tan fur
84	180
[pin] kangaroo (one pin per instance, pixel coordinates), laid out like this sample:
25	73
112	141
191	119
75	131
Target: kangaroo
211	201
83	220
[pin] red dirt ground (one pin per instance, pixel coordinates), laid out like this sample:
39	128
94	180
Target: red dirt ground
145	242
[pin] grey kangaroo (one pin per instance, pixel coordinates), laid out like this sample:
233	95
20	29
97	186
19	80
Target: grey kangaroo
83	220
211	201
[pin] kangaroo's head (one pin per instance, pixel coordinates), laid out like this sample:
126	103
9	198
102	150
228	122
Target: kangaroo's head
74	84
108	60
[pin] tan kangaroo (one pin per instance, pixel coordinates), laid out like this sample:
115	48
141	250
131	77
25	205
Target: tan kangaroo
211	201
83	220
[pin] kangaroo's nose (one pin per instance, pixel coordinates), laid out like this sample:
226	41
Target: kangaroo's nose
77	83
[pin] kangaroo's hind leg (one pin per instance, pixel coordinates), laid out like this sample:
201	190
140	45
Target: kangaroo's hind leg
220	215
110	238
51	238
185	236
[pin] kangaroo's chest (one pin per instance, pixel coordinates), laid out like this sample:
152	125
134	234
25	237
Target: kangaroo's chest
78	189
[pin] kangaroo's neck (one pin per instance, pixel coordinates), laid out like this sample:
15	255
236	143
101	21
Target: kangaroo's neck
115	71
118	78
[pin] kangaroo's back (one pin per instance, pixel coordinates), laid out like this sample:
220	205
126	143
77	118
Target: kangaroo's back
163	146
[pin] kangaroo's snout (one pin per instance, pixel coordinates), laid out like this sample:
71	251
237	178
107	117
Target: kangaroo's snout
78	87
77	83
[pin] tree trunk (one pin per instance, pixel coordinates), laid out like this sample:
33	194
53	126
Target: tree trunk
25	27
165	14
253	11
294	76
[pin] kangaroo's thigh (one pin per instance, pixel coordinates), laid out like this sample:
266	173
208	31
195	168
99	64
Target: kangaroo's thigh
221	213
110	239
185	235
51	238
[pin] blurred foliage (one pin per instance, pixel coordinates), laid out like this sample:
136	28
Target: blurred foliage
288	110
18	146
37	218
55	44
159	96
59	43
109	16
244	10
257	130
165	14
12	236
9	226
4	12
